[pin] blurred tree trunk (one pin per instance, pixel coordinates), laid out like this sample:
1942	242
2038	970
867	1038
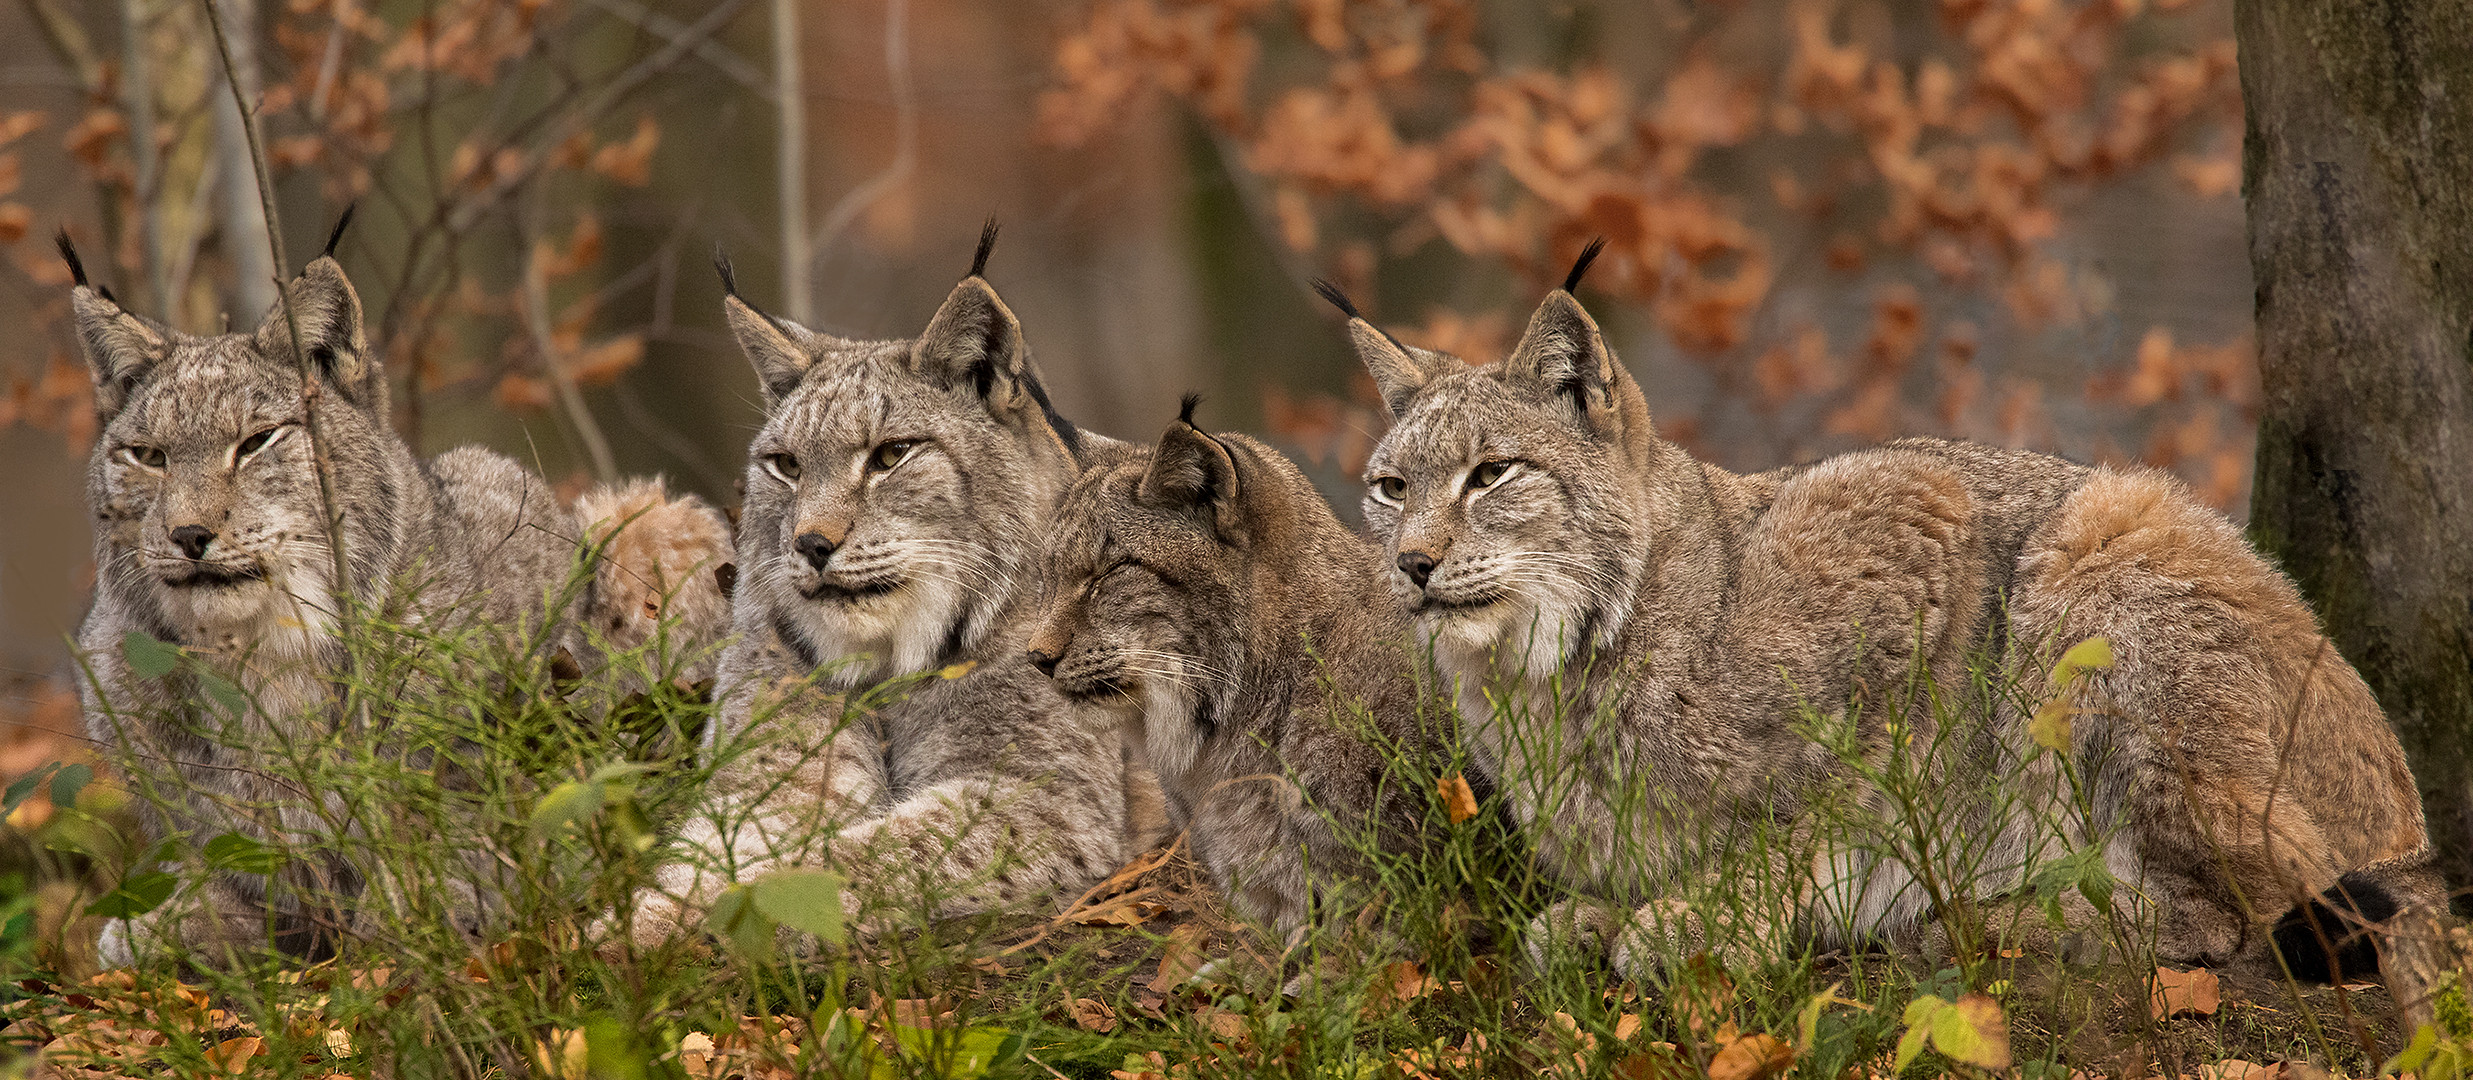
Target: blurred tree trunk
2358	172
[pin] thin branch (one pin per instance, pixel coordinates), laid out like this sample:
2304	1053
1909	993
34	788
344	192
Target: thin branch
905	132
723	58
310	392
544	342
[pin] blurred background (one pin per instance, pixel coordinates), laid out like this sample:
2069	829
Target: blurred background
1831	222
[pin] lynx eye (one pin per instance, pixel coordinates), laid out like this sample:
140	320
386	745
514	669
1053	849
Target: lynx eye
144	457
257	442
784	467
891	454
1390	489
1487	474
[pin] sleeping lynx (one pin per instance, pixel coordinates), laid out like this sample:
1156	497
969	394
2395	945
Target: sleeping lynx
1650	625
895	497
210	534
1204	596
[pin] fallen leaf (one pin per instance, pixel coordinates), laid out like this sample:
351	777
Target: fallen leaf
1751	1057
1223	1023
1459	801
2183	993
230	1054
1090	1014
1395	986
1179	958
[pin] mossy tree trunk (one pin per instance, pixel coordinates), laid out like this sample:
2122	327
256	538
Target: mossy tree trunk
2358	171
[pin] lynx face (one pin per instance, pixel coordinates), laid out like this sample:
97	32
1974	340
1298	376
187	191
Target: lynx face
895	490
203	479
1145	599
1509	497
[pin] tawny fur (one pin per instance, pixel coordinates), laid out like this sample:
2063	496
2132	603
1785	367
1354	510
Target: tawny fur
205	438
660	558
1204	595
927	469
1652	627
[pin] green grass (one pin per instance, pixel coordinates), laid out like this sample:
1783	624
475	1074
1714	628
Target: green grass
483	767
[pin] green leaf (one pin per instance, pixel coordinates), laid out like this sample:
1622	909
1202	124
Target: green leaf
151	659
2425	1041
736	920
232	851
634	829
612	1052
809	901
624	770
2094	653
23	788
1909	1045
225	693
137	895
68	782
566	804
964	1054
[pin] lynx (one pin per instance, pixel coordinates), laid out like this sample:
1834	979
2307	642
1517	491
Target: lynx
1652	625
1204	596
210	533
895	497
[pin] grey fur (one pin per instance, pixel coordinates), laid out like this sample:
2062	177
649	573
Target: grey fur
1204	595
470	539
986	789
1688	614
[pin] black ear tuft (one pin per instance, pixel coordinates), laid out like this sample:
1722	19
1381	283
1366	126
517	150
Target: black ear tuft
1338	299
1185	409
106	290
1580	268
721	265
987	246
68	253
341	224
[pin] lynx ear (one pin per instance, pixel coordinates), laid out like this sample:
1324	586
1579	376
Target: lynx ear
1399	370
329	315
120	347
974	341
1193	473
781	350
1564	356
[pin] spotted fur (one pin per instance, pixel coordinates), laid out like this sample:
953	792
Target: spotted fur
210	533
1652	625
895	497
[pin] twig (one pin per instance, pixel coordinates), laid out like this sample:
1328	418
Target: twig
310	392
537	323
723	58
905	132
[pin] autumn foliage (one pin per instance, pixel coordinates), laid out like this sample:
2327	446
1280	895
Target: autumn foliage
1776	152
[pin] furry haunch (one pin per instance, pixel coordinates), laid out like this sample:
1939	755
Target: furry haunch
1635	636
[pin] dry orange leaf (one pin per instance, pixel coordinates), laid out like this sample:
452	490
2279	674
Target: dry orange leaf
1179	958
2183	993
1091	1014
1751	1057
1459	801
231	1054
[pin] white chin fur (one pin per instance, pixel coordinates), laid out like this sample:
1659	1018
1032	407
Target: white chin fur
900	632
1169	739
274	628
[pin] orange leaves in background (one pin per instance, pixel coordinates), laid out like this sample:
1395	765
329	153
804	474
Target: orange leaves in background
1948	151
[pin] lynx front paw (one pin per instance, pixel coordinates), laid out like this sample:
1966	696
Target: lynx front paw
1573	927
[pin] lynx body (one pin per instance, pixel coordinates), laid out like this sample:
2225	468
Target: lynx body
210	534
1656	633
895	497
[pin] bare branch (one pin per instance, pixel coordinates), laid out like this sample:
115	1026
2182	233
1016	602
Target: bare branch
905	132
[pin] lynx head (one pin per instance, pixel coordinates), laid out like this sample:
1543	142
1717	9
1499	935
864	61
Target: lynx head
1168	571
897	488
1514	500
203	482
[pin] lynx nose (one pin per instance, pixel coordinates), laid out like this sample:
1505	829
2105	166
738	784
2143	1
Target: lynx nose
815	548
1417	565
192	540
1045	662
